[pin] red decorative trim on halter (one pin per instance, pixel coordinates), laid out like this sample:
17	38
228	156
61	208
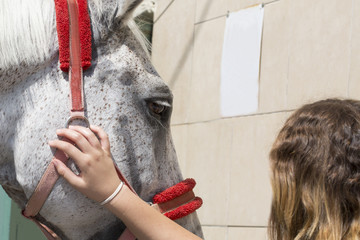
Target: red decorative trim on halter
85	34
185	209
178	201
63	29
175	191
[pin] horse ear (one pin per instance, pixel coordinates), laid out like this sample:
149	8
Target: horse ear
108	12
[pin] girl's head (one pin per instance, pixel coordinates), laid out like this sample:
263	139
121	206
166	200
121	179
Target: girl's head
315	163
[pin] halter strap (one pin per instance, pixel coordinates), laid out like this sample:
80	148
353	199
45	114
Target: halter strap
76	73
44	187
50	175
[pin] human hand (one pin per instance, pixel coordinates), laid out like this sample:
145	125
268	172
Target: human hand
98	178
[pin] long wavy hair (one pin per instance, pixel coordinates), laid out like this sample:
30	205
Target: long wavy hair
315	163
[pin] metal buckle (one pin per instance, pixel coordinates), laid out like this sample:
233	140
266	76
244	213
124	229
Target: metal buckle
72	118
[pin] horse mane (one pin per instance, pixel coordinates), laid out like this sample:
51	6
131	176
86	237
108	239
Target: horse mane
27	31
28	28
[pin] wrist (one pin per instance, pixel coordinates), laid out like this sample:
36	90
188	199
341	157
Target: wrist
114	194
120	203
118	200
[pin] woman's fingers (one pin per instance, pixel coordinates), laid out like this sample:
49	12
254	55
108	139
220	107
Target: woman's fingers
88	134
76	137
69	176
72	151
98	177
104	139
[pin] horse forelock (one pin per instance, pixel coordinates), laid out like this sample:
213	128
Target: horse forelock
27	32
28	28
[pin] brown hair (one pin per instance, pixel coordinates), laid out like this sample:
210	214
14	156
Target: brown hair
315	163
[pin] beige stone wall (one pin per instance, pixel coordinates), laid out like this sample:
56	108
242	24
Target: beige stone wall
310	50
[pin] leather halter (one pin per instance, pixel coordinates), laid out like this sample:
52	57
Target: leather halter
176	202
50	176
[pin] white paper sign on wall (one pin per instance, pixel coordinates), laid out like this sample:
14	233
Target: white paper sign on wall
240	64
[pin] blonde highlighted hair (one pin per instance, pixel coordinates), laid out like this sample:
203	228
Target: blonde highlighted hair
315	163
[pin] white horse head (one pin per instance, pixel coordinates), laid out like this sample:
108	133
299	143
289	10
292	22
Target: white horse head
123	94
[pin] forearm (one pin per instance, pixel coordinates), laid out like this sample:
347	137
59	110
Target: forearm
144	221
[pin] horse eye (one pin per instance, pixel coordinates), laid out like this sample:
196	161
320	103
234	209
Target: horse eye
156	108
